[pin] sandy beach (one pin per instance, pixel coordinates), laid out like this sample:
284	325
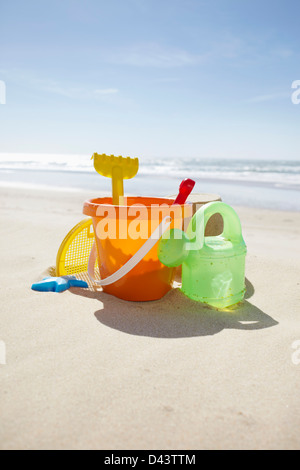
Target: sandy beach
85	370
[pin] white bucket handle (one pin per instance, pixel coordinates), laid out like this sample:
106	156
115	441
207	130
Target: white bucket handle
136	258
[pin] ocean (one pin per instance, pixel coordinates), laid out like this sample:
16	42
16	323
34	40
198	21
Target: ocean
271	184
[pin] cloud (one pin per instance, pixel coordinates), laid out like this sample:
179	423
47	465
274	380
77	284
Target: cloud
283	52
106	91
56	89
152	55
269	97
230	47
76	92
167	80
49	85
224	46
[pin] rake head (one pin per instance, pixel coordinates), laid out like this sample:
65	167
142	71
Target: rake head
106	165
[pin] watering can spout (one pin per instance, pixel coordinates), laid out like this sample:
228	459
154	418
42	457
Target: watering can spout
172	248
175	245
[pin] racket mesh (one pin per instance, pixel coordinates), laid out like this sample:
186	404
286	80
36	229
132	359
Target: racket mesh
74	252
77	255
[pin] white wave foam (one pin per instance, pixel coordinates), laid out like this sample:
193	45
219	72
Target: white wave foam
270	172
44	187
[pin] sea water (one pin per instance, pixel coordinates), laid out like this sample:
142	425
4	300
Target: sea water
273	184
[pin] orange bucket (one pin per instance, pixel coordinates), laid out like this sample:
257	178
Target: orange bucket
120	231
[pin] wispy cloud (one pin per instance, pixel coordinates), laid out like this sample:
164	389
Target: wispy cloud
49	85
283	52
106	91
229	47
55	88
243	49
225	46
76	92
166	80
269	97
153	55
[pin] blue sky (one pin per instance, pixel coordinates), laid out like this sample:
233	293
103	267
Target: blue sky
152	78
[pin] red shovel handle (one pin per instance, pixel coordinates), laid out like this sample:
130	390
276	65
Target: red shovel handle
185	189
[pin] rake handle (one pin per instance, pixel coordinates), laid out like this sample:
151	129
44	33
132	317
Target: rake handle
117	186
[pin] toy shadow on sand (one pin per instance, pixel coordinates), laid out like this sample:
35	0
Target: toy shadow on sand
176	316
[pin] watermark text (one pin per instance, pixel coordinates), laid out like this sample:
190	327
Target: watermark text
296	354
2	353
138	221
2	92
296	94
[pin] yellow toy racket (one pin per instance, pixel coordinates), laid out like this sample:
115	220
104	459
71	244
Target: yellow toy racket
74	251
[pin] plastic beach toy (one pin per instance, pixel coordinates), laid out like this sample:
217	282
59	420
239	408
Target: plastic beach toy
117	168
58	284
185	188
141	254
74	251
213	268
126	240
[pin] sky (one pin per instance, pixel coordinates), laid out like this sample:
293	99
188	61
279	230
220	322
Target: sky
151	78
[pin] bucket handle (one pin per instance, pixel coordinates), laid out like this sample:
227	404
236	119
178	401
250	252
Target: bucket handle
136	258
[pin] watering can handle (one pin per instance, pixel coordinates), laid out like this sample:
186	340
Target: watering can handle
232	226
136	258
232	229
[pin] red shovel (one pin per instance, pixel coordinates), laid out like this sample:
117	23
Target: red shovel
185	189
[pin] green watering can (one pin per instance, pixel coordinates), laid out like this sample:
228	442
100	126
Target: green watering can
213	268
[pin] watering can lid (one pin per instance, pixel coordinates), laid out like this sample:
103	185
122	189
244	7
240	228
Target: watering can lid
220	247
173	252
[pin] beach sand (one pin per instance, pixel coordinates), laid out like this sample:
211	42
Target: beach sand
85	370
